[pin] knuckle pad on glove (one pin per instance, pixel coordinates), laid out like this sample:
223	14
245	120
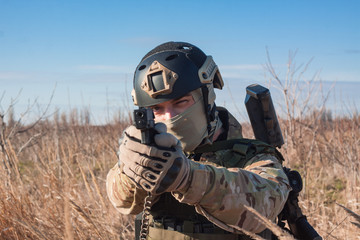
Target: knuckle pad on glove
144	161
169	176
156	165
138	169
150	176
147	186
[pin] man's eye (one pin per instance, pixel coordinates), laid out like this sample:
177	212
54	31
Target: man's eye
181	102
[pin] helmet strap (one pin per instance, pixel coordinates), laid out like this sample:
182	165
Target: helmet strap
209	111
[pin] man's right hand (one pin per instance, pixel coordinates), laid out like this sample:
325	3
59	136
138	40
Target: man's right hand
160	168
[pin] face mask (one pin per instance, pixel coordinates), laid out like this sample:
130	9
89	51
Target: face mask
190	126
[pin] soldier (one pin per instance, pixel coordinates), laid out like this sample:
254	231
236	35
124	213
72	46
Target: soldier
199	190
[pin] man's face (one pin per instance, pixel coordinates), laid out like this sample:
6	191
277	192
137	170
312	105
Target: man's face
169	109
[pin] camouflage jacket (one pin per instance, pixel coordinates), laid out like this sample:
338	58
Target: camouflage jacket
220	188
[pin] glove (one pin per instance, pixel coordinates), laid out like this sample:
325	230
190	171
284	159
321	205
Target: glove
157	168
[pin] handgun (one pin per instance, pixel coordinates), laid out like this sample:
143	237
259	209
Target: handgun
144	121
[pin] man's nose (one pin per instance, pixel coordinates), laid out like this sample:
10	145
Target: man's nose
169	113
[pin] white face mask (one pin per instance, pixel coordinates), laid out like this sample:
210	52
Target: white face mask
190	126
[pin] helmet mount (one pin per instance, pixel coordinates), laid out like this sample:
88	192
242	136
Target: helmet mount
159	80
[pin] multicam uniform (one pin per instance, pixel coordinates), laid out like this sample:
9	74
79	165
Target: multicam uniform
220	187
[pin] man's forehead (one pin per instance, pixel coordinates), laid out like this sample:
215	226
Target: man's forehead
173	100
186	95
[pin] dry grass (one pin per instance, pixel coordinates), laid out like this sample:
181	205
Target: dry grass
54	188
53	172
327	156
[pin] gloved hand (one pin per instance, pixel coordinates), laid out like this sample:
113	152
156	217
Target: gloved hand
158	168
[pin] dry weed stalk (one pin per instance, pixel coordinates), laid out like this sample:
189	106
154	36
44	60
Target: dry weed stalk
353	214
280	233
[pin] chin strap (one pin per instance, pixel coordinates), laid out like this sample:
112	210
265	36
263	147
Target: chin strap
209	111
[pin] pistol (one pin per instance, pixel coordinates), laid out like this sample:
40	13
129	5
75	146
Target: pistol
144	121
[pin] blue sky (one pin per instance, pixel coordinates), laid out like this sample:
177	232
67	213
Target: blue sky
86	51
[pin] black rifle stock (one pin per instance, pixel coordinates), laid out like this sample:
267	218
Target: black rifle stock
262	115
266	128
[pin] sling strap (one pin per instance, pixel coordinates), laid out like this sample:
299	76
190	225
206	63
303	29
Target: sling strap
248	148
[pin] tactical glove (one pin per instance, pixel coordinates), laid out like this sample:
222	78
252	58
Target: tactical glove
158	168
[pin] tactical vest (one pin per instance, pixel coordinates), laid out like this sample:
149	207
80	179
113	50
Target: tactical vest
177	221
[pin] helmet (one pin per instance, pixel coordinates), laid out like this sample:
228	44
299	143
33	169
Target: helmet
170	71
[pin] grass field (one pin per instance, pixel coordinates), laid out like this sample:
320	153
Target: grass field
53	171
53	177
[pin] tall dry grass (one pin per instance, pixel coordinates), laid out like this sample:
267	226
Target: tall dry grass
53	177
53	181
